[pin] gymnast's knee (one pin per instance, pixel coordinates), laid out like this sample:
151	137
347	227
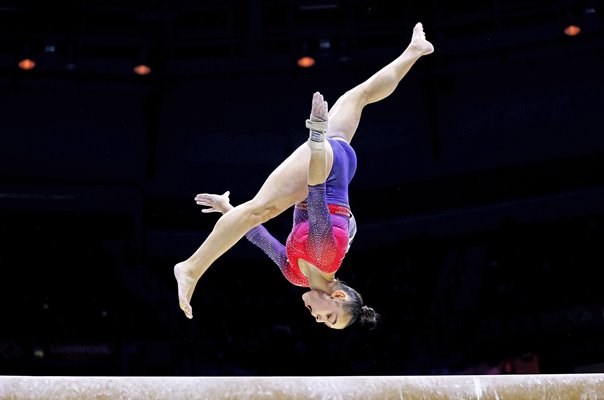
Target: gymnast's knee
259	212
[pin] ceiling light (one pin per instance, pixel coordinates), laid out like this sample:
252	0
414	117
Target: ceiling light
306	62
572	30
27	64
142	70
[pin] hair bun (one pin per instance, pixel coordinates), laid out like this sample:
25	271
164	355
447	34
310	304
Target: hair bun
369	317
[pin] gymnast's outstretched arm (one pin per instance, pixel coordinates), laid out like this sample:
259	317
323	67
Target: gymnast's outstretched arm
321	240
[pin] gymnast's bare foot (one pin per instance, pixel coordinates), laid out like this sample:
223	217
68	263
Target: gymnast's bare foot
186	286
419	42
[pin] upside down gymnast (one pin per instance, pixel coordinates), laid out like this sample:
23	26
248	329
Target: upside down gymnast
314	179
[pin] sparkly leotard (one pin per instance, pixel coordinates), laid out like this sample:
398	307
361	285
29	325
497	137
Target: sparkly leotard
320	234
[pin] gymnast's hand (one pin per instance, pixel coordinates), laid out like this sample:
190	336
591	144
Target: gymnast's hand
217	203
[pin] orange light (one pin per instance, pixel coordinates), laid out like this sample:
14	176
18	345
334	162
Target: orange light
27	64
572	30
142	69
306	62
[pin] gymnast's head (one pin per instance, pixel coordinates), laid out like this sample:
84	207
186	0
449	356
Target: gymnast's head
340	308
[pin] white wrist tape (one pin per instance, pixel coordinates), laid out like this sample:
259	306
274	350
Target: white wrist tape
318	128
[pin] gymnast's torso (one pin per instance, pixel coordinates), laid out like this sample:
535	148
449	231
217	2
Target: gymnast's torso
320	232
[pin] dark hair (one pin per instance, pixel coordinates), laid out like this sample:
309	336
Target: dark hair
358	311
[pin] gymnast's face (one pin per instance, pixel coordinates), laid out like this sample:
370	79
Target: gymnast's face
327	308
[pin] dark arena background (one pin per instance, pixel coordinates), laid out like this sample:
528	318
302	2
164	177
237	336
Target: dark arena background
479	193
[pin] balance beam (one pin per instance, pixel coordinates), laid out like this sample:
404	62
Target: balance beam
524	387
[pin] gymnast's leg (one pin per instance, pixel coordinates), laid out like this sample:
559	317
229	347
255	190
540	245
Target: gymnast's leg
287	185
284	187
345	114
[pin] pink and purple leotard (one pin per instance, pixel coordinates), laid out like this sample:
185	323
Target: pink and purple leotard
320	234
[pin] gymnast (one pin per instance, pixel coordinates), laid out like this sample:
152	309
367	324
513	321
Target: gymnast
322	226
315	179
